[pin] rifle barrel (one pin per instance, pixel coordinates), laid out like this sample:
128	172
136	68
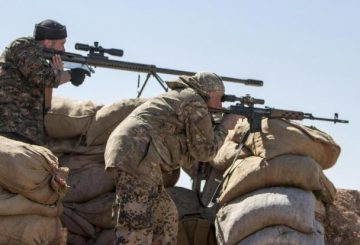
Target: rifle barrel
136	67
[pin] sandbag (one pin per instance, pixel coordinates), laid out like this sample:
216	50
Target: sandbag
74	239
194	230
77	224
29	230
15	204
69	118
76	162
31	171
72	146
280	137
285	235
226	154
253	173
87	183
256	210
107	118
96	211
107	236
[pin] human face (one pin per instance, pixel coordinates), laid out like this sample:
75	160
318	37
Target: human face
215	99
58	44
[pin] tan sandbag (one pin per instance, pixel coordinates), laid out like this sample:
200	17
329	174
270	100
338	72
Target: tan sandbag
76	162
87	183
107	118
285	235
328	190
77	224
31	171
72	146
253	173
107	236
280	137
15	204
74	239
29	230
69	118
171	178
226	154
96	211
194	230
256	210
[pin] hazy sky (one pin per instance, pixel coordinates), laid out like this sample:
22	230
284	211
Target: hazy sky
306	52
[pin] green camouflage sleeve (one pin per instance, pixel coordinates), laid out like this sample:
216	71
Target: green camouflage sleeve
33	66
203	138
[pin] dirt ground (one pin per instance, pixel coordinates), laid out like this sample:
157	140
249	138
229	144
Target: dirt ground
342	223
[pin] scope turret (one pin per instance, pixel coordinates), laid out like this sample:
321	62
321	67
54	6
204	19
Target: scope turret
98	50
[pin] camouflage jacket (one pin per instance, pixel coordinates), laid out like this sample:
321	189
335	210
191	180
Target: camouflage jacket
24	74
172	130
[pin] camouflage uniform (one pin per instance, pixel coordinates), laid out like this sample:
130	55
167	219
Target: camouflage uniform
24	74
172	130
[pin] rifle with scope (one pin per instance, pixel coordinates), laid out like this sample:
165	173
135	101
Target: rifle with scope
96	57
254	115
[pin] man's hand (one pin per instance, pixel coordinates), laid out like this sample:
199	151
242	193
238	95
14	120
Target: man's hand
78	76
56	63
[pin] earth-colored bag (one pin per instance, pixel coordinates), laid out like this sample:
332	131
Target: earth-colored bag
87	183
194	230
107	236
227	153
96	211
253	173
254	211
31	171
107	118
285	235
69	118
15	204
73	146
29	230
280	137
77	224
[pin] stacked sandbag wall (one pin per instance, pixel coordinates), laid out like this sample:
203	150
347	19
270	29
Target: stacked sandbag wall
80	145
32	186
274	190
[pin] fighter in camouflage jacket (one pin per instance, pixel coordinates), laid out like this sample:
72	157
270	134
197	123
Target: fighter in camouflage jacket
24	74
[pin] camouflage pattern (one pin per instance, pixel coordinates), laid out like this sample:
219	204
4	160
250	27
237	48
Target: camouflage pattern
145	213
172	129
24	74
202	82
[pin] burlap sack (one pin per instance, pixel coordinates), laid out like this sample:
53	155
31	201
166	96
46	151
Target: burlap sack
76	162
253	173
280	137
74	239
195	230
77	224
105	237
96	211
107	118
254	211
72	146
69	118
87	183
285	235
226	154
15	204
29	230
31	171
